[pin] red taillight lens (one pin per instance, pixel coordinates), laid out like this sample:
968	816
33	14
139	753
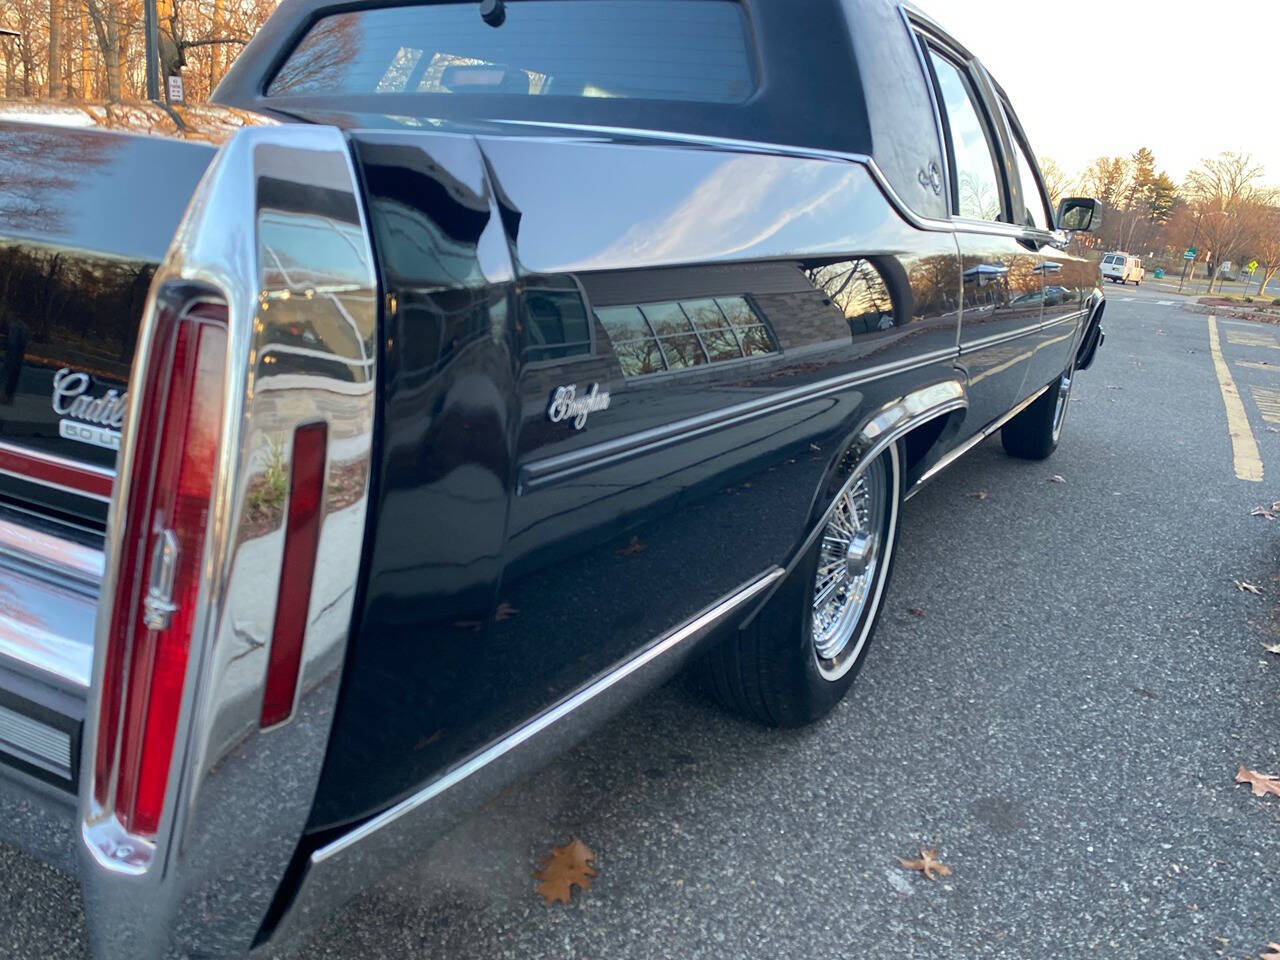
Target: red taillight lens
301	536
159	574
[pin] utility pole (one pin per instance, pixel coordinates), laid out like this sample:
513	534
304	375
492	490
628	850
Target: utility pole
150	21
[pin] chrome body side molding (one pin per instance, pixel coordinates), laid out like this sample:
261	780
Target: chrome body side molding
338	870
276	230
554	469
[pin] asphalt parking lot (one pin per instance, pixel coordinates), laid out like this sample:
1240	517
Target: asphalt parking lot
1063	722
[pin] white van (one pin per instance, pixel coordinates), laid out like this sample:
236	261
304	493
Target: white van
1121	268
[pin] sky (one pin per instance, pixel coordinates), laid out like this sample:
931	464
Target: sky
1091	78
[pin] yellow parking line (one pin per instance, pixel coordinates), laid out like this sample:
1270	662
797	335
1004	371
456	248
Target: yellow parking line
1268	402
1244	448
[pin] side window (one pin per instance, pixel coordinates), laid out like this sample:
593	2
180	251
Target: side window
1033	200
975	178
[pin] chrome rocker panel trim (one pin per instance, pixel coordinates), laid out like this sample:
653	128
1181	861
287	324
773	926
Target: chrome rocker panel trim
341	868
238	796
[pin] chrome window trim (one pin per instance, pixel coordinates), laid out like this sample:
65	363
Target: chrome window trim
207	855
540	473
338	870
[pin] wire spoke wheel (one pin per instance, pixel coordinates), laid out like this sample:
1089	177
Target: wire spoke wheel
850	564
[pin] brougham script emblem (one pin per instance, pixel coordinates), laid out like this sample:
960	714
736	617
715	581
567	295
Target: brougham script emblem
567	405
88	419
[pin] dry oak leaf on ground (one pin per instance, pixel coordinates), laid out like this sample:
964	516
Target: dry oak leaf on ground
1057	478
928	864
636	545
1273	952
1244	586
1272	648
567	867
1260	783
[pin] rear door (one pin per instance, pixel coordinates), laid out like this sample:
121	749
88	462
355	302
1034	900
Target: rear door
1000	260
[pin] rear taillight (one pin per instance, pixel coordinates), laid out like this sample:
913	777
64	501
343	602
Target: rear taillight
158	578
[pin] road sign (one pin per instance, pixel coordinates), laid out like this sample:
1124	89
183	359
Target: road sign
175	88
1253	265
1190	254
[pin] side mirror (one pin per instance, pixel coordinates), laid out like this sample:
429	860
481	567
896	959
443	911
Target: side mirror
1080	214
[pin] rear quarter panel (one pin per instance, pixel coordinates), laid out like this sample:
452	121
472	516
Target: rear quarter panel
512	559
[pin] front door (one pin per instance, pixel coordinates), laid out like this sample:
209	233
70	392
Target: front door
1000	266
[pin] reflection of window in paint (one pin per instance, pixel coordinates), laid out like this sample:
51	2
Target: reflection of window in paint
556	322
676	335
856	289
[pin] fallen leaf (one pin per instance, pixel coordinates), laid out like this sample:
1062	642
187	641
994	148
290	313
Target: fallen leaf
505	611
1114	386
1057	478
979	495
634	547
915	611
566	868
428	740
928	864
815	448
1273	952
1272	648
1262	512
1260	783
1245	585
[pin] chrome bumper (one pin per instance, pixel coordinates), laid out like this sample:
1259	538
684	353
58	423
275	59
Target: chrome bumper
48	602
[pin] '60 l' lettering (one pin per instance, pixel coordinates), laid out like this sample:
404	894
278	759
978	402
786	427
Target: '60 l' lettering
567	405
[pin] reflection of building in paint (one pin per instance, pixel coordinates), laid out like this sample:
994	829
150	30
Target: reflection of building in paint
667	320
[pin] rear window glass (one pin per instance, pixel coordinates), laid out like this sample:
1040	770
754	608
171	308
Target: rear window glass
682	50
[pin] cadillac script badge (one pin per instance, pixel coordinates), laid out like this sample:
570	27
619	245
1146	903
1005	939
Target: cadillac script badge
86	418
567	405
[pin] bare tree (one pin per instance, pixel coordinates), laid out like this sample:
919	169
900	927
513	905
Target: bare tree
1056	181
1223	191
1266	244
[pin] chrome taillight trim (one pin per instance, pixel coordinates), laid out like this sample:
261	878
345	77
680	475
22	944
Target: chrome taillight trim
276	231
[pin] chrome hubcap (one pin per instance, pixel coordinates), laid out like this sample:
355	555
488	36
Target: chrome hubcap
1060	411
849	561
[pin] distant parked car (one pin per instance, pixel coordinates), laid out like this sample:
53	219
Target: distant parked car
1122	268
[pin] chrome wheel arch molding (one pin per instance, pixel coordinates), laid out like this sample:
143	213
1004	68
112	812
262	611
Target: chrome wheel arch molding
276	223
